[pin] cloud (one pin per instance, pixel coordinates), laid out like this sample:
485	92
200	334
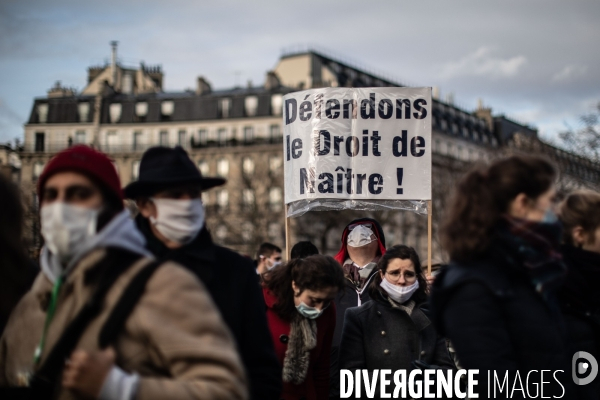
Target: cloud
482	63
569	73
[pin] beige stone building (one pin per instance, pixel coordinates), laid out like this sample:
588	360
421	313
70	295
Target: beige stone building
237	133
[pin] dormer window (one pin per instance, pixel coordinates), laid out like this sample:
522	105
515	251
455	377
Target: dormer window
250	105
276	104
141	109
84	111
167	108
42	110
115	112
224	107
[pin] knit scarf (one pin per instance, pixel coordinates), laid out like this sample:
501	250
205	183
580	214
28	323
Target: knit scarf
359	276
537	247
303	338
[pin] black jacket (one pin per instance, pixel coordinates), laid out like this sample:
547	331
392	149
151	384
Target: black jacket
580	302
233	284
379	336
495	319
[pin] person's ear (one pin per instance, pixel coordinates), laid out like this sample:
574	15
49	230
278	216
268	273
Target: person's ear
579	236
146	207
295	289
519	206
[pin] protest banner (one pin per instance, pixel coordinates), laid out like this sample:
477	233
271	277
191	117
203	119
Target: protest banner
357	148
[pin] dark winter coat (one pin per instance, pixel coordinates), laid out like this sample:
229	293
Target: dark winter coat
233	284
580	303
495	319
316	384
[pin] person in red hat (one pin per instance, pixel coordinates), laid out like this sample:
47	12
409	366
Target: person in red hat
127	326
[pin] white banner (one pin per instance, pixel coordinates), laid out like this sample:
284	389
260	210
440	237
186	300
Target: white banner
357	144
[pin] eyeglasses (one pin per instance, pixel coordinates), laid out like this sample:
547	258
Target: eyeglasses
408	275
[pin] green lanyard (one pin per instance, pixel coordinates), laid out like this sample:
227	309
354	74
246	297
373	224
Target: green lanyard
49	316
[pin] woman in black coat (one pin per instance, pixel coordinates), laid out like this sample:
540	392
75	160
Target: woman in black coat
580	297
393	331
496	301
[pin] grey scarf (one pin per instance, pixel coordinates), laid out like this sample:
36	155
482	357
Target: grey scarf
303	338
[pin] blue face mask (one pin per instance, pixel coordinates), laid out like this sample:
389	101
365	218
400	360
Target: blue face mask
309	312
549	217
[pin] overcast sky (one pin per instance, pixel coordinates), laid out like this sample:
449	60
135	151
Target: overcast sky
536	61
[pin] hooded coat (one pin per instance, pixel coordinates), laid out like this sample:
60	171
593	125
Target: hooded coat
350	297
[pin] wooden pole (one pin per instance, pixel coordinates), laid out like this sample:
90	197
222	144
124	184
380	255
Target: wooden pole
288	248
429	218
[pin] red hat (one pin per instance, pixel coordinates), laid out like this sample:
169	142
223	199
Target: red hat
87	161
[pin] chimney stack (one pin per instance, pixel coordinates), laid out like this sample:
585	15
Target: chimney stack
113	62
202	86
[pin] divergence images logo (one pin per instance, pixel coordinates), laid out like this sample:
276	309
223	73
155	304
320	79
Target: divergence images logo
584	363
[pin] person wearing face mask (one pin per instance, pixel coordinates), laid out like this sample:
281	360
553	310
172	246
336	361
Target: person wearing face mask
268	256
363	242
172	219
301	314
63	339
496	301
393	330
579	297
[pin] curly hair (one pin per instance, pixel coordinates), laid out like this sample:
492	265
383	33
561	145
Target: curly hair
313	273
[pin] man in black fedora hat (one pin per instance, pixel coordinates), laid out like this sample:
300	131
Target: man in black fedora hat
168	196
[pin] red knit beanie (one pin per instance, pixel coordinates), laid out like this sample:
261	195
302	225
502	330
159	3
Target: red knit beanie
87	161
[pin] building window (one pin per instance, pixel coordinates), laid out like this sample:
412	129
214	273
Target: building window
80	137
250	105
454	128
39	141
141	109
247	231
137	141
163	139
275	199
182	138
202	137
222	136
84	111
114	111
223	167
275	164
248	134
274	232
42	110
248	198
274	132
111	141
437	146
465	131
135	170
222	199
167	108
203	167
444	125
38	167
248	166
276	104
224	107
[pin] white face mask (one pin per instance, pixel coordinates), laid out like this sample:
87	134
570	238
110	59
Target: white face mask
399	294
275	264
360	236
178	220
66	227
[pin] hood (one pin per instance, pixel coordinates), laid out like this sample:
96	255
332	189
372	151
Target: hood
342	255
119	232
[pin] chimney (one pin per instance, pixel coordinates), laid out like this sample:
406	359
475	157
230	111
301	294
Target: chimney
485	113
450	98
113	62
436	92
272	81
202	86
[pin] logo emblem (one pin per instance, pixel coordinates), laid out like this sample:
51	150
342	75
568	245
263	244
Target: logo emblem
581	368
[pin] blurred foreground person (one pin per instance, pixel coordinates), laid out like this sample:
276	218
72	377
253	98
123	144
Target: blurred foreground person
393	331
108	321
496	301
580	296
363	243
17	272
172	219
268	257
301	315
303	249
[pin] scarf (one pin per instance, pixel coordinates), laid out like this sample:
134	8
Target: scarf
359	276
303	338
537	247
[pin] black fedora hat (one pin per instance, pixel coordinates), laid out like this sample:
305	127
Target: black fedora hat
164	167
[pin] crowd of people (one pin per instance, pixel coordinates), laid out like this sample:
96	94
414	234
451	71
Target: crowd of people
148	307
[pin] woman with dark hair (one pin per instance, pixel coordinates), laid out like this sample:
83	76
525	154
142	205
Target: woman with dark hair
17	272
579	297
393	331
496	301
301	318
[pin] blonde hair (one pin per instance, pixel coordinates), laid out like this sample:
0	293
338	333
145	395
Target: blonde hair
581	208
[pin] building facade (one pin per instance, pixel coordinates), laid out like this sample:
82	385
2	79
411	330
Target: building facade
237	134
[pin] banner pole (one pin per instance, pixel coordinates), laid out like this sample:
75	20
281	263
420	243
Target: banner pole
288	249
429	219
